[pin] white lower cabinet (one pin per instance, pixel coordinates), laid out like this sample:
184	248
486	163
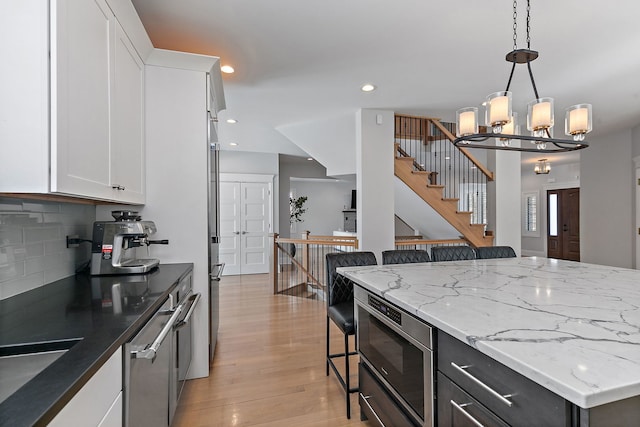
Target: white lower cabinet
99	401
113	418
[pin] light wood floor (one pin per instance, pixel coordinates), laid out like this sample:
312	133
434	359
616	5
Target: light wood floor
269	366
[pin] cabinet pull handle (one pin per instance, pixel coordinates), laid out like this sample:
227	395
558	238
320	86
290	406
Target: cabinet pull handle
151	351
365	399
117	187
193	299
465	413
501	397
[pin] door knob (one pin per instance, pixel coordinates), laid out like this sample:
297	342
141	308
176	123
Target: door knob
236	232
244	232
565	228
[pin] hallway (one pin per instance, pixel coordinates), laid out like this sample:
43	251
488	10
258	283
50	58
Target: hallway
269	366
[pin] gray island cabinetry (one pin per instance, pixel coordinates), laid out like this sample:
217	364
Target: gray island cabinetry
523	341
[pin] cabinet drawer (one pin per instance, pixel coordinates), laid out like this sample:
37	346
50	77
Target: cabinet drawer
457	409
377	405
527	404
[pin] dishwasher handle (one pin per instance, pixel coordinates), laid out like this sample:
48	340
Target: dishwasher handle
150	352
193	300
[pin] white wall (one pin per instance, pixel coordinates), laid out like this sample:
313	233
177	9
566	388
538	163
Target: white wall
177	190
326	200
33	249
561	176
607	194
374	170
247	162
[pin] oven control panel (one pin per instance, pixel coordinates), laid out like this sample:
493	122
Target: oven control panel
385	309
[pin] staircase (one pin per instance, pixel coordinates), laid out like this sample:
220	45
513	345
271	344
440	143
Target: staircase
424	132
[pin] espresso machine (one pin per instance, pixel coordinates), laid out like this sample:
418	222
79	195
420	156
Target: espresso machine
114	243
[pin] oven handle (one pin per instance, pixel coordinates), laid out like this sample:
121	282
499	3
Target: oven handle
501	397
150	352
193	300
465	413
365	399
216	277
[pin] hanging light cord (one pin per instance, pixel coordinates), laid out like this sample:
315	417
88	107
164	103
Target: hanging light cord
515	44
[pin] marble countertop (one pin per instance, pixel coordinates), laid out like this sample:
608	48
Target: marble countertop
572	327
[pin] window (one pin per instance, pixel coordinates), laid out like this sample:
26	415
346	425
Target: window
530	224
553	214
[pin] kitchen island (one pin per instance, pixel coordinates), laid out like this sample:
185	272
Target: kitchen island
84	312
572	328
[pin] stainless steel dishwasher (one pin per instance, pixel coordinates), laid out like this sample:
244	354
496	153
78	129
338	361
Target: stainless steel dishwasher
147	370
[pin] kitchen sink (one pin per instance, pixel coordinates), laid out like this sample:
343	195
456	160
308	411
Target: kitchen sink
20	363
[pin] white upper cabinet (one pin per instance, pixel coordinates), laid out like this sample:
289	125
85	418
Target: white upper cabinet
81	48
86	137
127	121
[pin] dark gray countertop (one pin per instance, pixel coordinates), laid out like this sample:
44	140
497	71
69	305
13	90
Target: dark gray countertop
80	306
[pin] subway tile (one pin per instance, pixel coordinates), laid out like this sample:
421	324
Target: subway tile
8	204
40	234
34	265
20	218
41	207
54	260
11	271
60	272
23	284
55	246
10	235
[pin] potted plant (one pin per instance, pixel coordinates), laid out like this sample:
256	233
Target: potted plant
296	209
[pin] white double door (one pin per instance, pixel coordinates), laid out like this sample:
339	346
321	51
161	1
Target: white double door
245	223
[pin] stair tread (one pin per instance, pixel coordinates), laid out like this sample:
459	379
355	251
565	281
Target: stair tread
456	200
435	186
465	212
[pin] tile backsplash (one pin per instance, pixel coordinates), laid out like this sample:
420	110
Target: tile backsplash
33	250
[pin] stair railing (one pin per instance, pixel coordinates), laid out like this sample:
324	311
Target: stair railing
298	266
430	143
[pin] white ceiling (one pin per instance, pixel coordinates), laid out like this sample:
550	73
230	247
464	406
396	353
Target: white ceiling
299	63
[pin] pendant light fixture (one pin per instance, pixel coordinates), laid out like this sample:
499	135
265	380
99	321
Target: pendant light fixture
542	167
500	117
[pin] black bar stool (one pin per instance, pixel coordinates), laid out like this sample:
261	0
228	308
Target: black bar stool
405	256
340	310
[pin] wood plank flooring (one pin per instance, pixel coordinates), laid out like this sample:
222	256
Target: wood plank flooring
269	366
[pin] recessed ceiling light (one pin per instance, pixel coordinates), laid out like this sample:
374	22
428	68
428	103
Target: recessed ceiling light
233	144
309	158
447	158
368	87
228	69
232	121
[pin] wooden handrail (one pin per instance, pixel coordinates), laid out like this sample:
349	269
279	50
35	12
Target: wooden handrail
408	242
465	151
347	242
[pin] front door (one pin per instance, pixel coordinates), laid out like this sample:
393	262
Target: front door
563	233
244	227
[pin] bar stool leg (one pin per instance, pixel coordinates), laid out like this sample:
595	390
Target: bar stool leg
327	345
347	391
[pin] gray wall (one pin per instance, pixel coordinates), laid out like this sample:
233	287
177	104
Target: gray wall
298	168
607	195
33	250
326	200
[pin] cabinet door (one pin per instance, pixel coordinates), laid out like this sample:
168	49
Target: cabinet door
98	401
80	73
127	124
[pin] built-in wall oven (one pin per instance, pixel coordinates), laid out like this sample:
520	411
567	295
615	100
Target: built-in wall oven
396	377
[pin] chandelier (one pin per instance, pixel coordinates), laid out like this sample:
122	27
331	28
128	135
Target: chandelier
504	122
542	167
